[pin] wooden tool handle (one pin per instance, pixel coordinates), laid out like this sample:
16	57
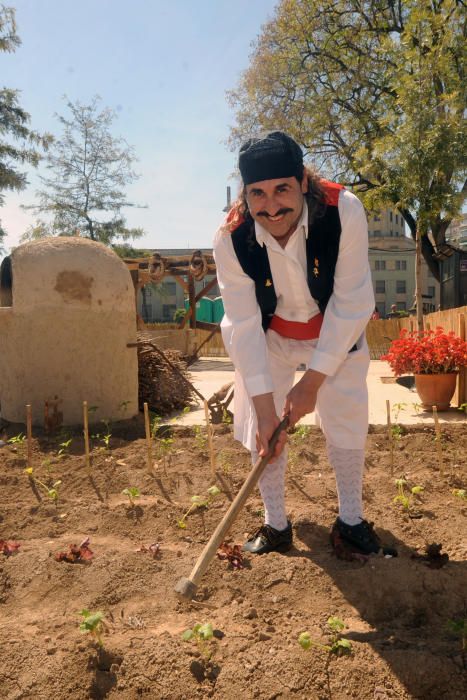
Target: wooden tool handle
235	507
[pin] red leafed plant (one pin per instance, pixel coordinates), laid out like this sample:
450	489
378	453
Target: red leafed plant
8	547
430	352
232	554
76	553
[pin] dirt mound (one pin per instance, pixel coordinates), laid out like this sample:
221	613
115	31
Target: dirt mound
402	617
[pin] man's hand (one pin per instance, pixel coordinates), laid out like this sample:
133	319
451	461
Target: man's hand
268	421
301	399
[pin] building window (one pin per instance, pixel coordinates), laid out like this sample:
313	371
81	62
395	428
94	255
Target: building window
401	306
377	232
431	292
390	216
380	264
400	287
397	219
401	264
391	233
380	286
168	311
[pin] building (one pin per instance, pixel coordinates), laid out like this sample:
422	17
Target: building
157	303
392	263
456	234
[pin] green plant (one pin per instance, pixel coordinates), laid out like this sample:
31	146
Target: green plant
132	492
405	496
202	635
64	448
458	628
199	502
51	491
94	624
460	493
18	442
396	432
200	438
336	645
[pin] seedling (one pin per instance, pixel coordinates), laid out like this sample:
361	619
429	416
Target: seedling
18	442
458	628
396	431
337	645
94	624
64	448
202	635
460	493
404	496
132	492
51	491
199	502
200	438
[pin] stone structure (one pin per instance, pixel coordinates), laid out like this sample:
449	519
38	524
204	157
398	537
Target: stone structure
64	328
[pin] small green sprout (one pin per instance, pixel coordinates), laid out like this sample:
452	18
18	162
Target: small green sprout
460	493
64	448
29	471
200	438
18	442
396	431
51	491
94	624
199	502
458	628
132	492
337	645
202	635
405	497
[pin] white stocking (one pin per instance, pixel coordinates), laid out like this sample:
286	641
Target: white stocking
272	487
348	468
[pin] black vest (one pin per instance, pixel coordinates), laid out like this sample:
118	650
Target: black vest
322	249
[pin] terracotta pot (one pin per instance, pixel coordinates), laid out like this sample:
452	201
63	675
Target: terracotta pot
436	389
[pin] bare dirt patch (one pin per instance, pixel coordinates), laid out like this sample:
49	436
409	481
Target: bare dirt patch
397	611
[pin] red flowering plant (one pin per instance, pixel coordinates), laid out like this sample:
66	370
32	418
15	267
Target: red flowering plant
429	352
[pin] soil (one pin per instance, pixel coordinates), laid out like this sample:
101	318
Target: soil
397	611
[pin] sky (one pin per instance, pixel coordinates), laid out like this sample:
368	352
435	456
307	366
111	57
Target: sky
164	67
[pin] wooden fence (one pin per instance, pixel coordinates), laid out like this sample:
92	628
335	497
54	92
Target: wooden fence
379	336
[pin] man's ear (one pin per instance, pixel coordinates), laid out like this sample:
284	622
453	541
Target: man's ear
304	183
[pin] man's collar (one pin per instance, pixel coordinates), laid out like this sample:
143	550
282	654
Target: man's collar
262	235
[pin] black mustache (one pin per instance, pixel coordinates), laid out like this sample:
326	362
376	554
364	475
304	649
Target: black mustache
278	213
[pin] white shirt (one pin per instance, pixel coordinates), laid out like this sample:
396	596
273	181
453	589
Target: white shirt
347	313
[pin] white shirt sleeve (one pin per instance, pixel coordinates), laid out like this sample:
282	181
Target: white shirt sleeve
352	301
241	327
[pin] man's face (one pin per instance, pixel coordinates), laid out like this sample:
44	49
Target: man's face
277	204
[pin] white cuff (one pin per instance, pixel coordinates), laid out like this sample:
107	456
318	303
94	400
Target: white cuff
261	384
325	363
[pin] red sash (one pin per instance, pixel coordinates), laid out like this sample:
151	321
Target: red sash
297	330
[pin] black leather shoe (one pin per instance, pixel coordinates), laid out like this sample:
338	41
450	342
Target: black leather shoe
267	539
361	537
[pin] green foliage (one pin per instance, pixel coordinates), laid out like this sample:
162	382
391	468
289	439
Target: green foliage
64	448
199	502
89	170
179	314
460	493
93	624
132	492
202	634
375	93
336	645
18	145
50	491
18	441
200	438
406	495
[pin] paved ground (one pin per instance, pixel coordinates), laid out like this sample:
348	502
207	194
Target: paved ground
210	373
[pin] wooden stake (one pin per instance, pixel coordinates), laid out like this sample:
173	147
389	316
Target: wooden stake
86	435
211	448
148	438
390	436
29	432
438	441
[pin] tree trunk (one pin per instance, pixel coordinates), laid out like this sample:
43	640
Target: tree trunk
418	280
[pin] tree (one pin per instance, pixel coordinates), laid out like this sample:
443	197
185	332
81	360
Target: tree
17	142
89	169
375	93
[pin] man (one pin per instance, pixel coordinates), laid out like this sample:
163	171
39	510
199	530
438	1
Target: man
292	266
